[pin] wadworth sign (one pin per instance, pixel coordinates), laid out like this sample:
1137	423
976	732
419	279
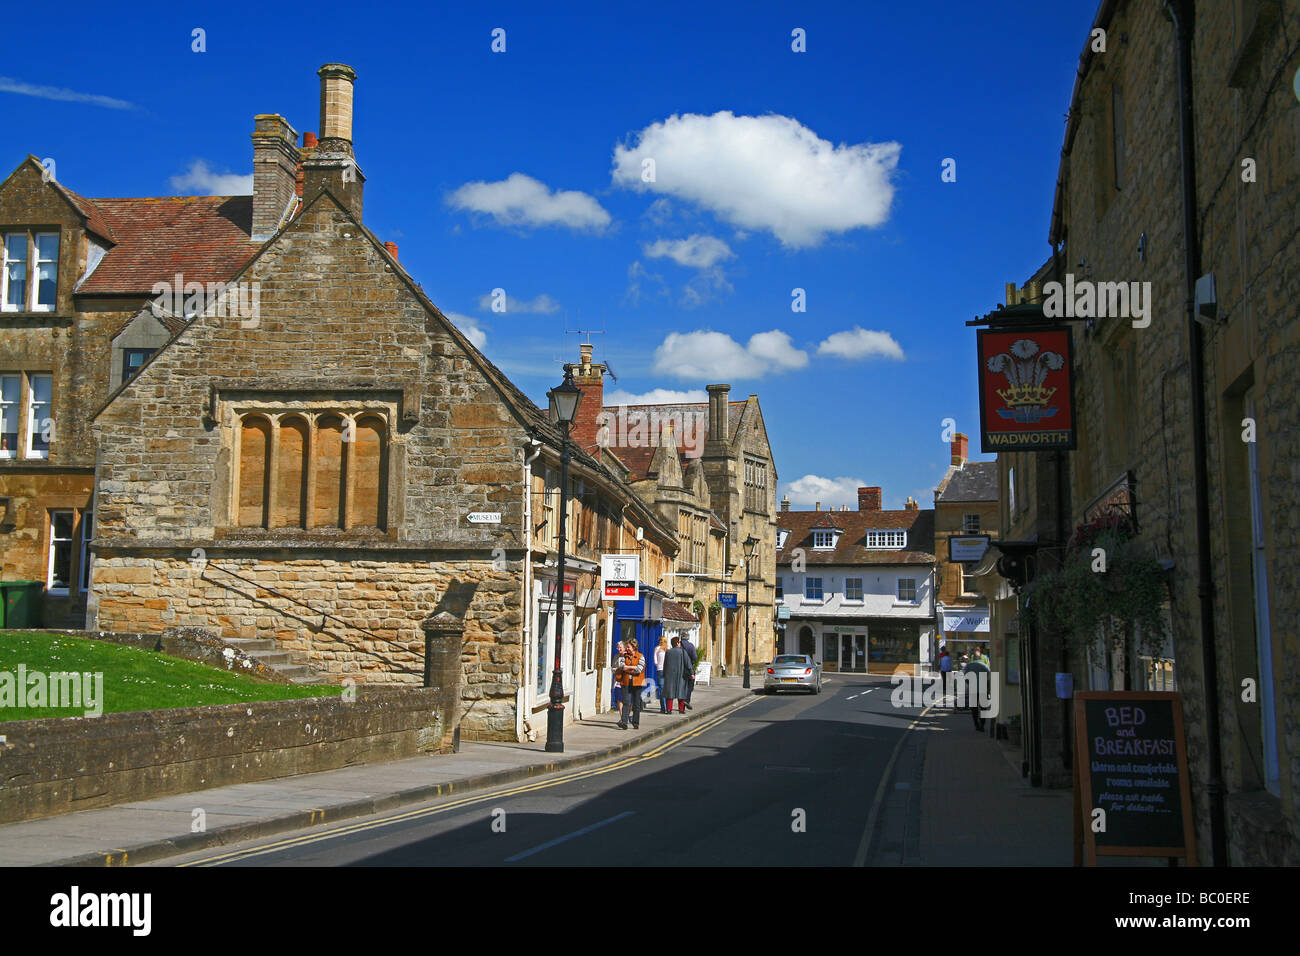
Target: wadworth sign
1026	389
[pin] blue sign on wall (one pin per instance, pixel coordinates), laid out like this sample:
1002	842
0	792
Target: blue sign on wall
727	600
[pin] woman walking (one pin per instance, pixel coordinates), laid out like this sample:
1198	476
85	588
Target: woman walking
674	677
660	651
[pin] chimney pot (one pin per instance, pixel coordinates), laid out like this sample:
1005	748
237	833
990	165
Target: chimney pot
959	448
392	248
719	427
869	499
336	81
308	140
817	506
785	503
275	172
586	429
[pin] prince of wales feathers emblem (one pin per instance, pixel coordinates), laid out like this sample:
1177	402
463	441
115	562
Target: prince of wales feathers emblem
1026	369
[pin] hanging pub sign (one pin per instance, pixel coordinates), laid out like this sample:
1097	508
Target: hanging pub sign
620	576
1026	383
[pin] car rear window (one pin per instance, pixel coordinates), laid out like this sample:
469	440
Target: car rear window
791	659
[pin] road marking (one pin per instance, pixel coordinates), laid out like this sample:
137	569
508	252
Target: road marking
576	833
351	828
860	858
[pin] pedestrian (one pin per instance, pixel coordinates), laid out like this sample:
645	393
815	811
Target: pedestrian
945	660
692	659
674	676
631	674
618	687
984	657
973	669
660	651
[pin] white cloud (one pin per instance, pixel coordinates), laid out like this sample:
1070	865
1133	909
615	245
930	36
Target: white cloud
656	396
860	343
542	303
831	492
704	354
470	326
200	178
10	85
520	200
659	211
764	172
635	274
694	252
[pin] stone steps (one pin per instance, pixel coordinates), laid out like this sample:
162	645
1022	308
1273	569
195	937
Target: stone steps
266	651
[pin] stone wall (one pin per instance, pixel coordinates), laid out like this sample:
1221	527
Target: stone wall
348	616
62	764
1134	384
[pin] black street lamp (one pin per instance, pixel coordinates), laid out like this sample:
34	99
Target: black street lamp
751	546
564	399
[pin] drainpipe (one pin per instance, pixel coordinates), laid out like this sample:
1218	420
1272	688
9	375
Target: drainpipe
1180	12
526	606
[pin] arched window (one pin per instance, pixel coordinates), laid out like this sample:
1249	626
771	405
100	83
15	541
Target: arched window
331	479
291	473
254	470
370	474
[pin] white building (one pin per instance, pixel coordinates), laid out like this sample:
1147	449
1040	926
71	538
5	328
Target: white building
858	586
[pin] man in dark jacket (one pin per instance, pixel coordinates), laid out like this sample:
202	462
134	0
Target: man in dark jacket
691	660
674	676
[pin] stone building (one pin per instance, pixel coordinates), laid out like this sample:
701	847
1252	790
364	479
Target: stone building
1186	400
707	469
310	454
77	272
859	585
965	503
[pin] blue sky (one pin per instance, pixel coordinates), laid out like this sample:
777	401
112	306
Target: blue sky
522	171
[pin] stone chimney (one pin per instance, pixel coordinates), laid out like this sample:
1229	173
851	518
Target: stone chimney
719	411
869	499
959	446
817	506
785	503
590	377
912	504
332	164
275	170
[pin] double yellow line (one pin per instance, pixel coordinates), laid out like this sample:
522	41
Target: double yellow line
349	829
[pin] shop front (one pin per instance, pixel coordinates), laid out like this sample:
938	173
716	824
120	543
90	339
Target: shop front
642	619
965	630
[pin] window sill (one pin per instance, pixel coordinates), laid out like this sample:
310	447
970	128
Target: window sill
847	603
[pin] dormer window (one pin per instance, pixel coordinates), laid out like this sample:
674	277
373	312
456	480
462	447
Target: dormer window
29	279
780	538
886	540
823	540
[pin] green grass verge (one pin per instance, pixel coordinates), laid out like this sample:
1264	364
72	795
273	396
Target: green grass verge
134	679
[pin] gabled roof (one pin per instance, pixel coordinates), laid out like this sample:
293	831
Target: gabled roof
973	481
203	238
850	546
676	612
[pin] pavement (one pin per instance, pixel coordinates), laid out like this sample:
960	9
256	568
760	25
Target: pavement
154	829
956	798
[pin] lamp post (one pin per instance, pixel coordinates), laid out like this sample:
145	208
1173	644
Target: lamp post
751	545
564	400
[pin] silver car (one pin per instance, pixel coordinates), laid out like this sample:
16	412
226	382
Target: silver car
793	672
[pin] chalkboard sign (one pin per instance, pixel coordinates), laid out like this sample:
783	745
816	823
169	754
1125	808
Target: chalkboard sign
1131	763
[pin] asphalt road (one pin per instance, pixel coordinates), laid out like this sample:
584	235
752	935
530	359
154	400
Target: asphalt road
786	780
